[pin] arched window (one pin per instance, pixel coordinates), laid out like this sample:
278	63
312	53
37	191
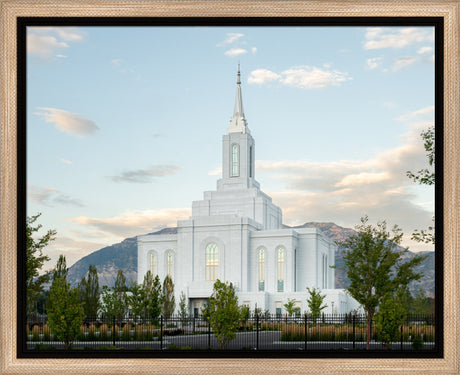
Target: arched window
235	160
170	264
153	263
212	261
280	269
261	270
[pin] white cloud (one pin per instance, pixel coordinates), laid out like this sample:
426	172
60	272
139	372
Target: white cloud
374	62
261	76
380	37
425	50
345	190
402	62
43	46
145	175
231	38
44	42
133	223
304	77
254	50
235	52
427	112
51	197
65	161
68	122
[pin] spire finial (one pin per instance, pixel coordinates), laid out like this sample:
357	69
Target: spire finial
238	82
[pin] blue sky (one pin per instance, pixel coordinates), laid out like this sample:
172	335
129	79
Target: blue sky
125	124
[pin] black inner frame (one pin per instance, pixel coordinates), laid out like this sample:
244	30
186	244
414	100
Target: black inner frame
24	22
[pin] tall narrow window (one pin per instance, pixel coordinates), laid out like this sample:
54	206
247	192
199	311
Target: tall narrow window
153	263
261	270
280	270
170	264
250	161
235	160
212	262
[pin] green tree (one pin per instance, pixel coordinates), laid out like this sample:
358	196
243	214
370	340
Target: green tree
425	176
153	299
90	293
315	303
420	304
65	312
183	308
34	262
374	266
224	312
169	302
390	317
136	299
290	307
121	298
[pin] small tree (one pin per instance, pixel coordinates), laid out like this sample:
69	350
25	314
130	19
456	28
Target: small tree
375	268
290	307
315	303
224	312
390	317
183	308
34	262
420	304
89	293
65	312
169	302
136	299
153	299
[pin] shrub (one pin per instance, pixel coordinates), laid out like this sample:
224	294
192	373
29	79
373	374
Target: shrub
103	331
82	334
91	332
126	332
417	342
46	333
35	333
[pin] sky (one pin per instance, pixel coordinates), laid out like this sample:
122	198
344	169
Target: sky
125	125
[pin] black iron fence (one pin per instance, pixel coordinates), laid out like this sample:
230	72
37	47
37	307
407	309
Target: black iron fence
274	332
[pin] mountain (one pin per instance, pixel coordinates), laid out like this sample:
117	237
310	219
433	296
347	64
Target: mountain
123	255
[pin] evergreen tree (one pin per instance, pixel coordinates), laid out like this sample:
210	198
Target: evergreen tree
136	299
315	303
169	303
152	297
375	268
224	312
183	308
34	262
65	312
390	317
89	293
120	296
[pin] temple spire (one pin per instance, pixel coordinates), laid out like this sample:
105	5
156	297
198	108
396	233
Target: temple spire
238	122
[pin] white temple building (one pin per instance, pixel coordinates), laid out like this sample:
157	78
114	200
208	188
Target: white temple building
235	234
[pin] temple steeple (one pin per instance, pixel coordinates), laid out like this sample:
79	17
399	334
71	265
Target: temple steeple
238	122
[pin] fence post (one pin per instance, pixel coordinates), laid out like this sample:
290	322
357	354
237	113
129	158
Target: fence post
161	332
193	323
354	331
306	329
257	331
209	334
113	330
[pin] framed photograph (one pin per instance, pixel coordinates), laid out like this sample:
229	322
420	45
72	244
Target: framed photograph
188	143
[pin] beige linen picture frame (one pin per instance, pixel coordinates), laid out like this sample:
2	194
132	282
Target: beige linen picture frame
10	10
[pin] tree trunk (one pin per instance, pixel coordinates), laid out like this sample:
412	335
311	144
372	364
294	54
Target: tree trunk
369	325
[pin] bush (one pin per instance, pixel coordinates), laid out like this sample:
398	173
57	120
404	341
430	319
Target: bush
46	333
126	332
417	342
36	333
103	329
91	332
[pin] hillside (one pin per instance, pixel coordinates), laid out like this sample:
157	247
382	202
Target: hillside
123	255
